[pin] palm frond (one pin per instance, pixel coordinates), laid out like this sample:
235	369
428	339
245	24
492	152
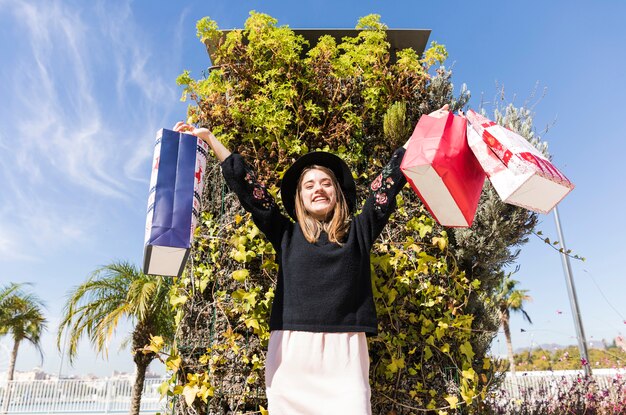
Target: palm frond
510	298
22	316
112	293
526	316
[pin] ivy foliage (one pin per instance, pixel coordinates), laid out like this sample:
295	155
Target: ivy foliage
272	97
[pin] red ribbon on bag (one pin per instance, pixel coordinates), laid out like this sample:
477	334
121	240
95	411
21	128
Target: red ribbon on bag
525	177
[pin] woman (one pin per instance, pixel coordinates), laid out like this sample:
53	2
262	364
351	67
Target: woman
317	360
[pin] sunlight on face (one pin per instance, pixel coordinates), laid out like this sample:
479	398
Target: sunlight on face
318	194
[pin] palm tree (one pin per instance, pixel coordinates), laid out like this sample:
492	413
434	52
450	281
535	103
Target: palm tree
114	292
510	299
22	318
6	293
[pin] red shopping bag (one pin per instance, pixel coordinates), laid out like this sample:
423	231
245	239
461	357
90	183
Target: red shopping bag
443	171
521	175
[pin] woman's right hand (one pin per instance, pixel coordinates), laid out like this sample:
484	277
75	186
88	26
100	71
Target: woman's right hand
203	133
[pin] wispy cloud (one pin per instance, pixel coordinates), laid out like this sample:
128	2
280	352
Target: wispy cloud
57	120
86	91
145	71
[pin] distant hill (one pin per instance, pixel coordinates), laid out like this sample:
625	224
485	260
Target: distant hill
591	344
553	356
545	346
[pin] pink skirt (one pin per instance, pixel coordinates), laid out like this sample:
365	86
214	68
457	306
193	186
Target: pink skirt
317	373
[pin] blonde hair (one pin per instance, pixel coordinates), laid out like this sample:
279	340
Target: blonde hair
337	226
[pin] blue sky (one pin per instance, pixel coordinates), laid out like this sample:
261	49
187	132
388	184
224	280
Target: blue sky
85	86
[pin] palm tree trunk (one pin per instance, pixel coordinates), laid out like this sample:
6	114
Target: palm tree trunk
7	392
16	347
135	400
509	344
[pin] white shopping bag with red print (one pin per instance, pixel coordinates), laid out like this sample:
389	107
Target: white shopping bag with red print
174	201
520	174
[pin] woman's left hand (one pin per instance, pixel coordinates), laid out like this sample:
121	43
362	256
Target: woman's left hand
441	112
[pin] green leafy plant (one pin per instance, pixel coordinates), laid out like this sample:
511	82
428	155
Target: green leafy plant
273	97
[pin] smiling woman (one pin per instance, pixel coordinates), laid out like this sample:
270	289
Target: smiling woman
320	204
323	308
317	192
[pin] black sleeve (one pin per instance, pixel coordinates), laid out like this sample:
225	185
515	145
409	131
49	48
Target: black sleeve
254	198
381	201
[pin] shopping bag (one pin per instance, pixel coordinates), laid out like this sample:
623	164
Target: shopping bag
521	175
442	170
176	185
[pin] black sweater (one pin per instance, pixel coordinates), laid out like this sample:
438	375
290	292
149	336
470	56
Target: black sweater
321	287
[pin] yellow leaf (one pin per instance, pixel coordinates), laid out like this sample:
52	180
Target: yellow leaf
395	364
253	322
486	363
415	248
157	341
173	363
239	256
190	393
163	388
155	346
177	299
452	400
467	395
263	410
469	373
238	219
206	391
203	283
466	349
239	294
445	348
427	353
442	243
240	275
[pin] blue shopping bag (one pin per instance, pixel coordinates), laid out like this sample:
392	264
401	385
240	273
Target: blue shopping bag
176	186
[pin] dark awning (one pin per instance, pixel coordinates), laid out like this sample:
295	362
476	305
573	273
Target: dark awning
398	38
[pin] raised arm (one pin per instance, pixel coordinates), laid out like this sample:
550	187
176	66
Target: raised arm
382	199
242	180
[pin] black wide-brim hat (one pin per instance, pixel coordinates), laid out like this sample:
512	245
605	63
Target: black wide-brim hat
341	170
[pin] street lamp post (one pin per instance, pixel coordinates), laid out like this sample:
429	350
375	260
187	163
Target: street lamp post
573	300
